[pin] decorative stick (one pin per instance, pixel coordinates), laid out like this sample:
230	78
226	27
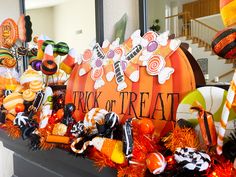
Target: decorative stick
225	114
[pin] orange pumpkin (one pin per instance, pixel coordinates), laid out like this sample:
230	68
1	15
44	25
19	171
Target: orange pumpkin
145	98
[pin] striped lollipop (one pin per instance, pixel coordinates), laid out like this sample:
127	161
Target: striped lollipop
224	43
225	114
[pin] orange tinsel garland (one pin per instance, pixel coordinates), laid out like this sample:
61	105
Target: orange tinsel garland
181	137
43	144
100	160
12	130
131	171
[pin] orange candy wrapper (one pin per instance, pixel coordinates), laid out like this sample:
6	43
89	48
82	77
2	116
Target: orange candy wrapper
207	126
58	139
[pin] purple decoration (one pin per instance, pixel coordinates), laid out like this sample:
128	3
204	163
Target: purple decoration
98	62
152	46
123	65
36	65
111	54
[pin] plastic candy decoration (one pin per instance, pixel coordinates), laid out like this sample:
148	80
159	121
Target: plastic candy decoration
29	95
156	163
68	63
21	119
29	75
62	48
225	114
128	138
212	100
227	11
48	66
111	148
68	111
78	129
8	33
11	101
224	44
36	86
192	159
6	58
47	105
48	42
111	121
40	41
207	126
19	107
95	115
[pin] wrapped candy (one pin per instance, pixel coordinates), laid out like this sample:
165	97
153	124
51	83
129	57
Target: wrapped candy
156	163
111	148
192	159
207	126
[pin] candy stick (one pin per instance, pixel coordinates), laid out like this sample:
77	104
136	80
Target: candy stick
225	114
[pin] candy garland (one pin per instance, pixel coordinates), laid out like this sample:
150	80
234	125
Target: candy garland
225	114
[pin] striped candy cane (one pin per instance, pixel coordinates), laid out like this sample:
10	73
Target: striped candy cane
225	114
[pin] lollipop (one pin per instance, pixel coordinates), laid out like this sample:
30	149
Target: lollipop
22	50
6	58
68	63
46	43
11	101
28	95
8	33
36	86
49	67
30	75
224	44
62	48
35	63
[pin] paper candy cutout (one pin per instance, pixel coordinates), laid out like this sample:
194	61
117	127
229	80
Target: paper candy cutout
114	60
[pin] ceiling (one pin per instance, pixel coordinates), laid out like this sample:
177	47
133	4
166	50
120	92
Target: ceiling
34	4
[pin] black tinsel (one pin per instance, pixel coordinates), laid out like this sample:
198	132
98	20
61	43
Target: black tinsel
229	148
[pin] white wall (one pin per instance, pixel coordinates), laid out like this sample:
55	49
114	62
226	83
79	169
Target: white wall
62	23
9	9
42	21
74	15
156	10
114	10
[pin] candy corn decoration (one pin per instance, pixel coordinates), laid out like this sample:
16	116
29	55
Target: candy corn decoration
113	149
225	114
49	66
68	63
227	11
